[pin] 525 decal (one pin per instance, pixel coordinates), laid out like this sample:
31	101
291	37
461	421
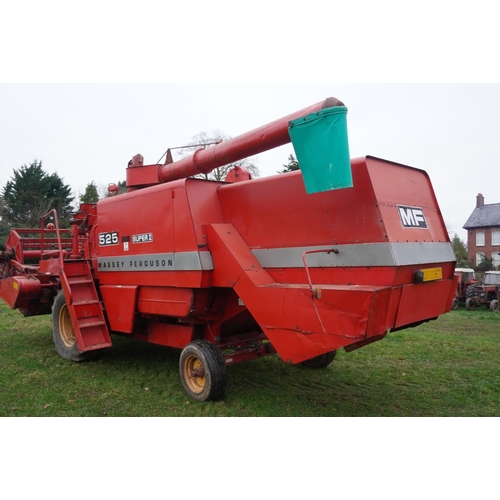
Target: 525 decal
108	239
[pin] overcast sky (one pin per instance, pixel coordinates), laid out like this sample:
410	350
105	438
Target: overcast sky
89	132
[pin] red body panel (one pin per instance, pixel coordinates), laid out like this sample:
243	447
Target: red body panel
174	224
17	291
121	303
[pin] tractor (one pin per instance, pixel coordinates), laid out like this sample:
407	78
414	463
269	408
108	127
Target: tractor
465	287
487	293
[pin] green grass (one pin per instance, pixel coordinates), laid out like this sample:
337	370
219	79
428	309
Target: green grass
449	367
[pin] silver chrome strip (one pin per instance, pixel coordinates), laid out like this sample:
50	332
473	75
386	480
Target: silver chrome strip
364	255
358	255
406	254
183	261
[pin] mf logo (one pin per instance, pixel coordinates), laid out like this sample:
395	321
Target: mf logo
412	217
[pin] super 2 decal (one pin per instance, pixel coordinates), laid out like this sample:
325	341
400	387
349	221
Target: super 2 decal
142	238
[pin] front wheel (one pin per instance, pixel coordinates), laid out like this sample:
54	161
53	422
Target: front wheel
203	371
63	333
469	304
454	305
494	305
320	361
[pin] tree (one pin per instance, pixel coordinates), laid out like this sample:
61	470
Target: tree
32	193
291	166
105	193
205	140
93	192
91	195
460	251
4	232
486	265
122	188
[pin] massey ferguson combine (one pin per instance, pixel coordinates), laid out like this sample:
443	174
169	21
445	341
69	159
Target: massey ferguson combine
300	264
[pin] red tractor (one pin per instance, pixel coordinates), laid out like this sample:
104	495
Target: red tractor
301	264
487	294
465	287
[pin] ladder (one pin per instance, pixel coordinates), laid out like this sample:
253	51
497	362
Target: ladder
85	308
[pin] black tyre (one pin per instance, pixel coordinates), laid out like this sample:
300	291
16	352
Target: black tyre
469	304
454	304
469	293
63	333
494	305
203	371
320	361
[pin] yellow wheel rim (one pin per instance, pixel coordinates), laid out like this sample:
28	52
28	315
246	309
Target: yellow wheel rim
66	328
194	374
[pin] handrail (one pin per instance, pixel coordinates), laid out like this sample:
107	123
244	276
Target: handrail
58	234
62	274
316	290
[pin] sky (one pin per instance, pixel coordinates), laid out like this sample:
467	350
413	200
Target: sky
89	132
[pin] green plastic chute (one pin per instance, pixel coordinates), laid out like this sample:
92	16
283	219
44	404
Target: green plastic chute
322	149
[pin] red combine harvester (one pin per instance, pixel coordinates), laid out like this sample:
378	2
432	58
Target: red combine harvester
300	264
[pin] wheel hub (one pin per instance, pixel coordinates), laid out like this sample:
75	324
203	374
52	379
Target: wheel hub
194	372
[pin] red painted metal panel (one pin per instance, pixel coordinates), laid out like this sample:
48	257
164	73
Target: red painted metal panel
204	206
177	302
176	212
17	291
167	229
125	215
177	336
143	176
276	212
232	256
121	304
337	276
395	185
50	267
422	297
299	326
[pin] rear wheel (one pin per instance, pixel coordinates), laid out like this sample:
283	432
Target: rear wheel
320	361
203	371
63	333
494	305
469	293
469	304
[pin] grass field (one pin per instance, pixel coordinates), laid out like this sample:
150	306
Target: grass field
445	368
